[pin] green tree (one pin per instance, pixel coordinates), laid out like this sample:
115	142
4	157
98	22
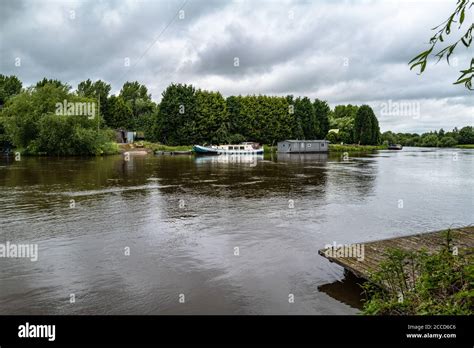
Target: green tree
9	87
211	118
457	18
119	114
304	112
389	137
137	98
66	136
343	118
177	115
321	111
237	122
296	123
53	82
98	90
429	140
448	141
466	135
35	122
23	112
366	127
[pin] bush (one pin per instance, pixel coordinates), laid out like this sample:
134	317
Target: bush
429	140
447	141
419	283
71	135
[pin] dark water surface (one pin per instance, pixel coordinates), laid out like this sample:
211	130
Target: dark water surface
183	217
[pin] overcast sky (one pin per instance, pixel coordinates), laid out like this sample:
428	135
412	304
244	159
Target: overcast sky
341	51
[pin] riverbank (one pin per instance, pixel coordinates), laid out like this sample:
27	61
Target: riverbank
355	148
268	148
111	148
160	147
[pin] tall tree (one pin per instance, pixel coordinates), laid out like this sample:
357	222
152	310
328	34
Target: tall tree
211	118
304	111
177	115
366	128
9	86
296	124
53	82
119	114
137	97
321	111
466	135
343	118
97	90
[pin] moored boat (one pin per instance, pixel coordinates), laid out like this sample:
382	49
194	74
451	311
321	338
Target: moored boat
395	147
240	149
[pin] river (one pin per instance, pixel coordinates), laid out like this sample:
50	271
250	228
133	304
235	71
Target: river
213	235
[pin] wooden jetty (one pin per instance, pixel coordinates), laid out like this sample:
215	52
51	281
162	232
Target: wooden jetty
375	252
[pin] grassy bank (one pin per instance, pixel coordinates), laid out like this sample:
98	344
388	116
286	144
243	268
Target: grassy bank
466	146
161	147
101	149
269	149
355	148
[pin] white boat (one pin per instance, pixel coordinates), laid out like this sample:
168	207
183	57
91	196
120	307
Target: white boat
240	149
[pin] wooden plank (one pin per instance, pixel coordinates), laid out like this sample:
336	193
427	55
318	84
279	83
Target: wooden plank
375	251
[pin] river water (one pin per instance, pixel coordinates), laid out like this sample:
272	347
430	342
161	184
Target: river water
213	235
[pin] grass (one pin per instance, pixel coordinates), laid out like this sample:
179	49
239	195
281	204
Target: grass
466	146
269	148
355	148
419	283
161	147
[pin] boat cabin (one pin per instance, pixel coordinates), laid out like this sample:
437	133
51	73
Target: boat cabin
240	147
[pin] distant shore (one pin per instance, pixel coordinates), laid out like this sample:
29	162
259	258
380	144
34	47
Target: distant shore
151	148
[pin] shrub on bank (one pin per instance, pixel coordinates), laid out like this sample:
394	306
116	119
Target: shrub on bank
418	283
355	148
36	124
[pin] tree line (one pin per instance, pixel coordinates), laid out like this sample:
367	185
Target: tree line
185	116
463	136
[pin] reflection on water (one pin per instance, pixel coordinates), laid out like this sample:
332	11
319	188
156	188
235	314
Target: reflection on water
251	160
182	218
347	290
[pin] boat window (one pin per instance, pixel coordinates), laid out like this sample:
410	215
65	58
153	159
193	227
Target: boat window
322	144
309	145
242	148
231	147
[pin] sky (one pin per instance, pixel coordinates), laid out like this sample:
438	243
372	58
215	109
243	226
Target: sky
340	51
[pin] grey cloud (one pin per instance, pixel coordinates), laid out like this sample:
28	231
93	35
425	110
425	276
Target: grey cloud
284	47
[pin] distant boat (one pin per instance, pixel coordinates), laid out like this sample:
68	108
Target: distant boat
395	147
240	149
